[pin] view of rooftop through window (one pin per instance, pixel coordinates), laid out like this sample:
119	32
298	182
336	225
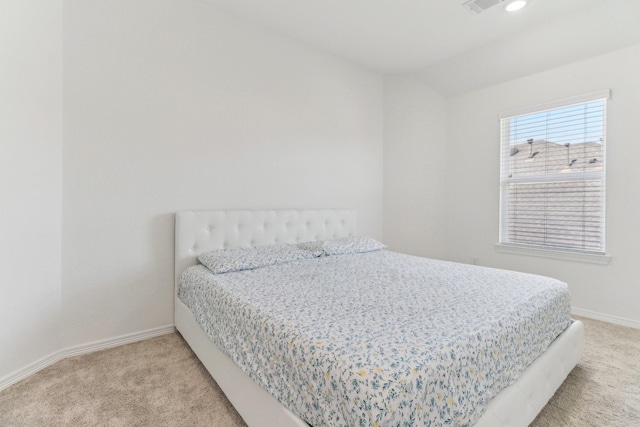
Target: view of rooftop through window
563	140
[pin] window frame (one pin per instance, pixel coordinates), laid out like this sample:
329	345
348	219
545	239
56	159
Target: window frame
503	245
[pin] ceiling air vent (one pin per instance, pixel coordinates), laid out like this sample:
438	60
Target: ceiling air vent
478	6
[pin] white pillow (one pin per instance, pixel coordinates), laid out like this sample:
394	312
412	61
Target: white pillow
352	245
238	259
314	247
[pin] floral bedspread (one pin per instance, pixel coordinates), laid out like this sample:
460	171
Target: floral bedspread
379	338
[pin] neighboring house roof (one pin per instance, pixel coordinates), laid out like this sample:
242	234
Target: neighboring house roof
544	157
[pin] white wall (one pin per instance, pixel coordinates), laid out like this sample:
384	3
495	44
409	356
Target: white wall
173	105
30	180
472	161
414	171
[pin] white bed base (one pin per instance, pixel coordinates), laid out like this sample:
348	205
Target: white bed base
202	231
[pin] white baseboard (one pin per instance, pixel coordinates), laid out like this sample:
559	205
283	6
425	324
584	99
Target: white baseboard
78	350
605	317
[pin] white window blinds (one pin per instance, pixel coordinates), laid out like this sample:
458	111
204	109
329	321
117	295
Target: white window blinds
553	175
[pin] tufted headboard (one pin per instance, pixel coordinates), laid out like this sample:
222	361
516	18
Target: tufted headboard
202	231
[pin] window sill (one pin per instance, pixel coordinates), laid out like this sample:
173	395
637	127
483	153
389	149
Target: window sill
550	253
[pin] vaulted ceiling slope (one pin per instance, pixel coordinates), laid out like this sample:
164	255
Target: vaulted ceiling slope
454	49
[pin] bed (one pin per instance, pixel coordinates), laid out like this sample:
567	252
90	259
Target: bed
199	232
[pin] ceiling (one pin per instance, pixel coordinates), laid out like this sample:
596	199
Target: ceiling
454	49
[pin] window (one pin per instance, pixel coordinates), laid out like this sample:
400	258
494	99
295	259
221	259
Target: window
553	176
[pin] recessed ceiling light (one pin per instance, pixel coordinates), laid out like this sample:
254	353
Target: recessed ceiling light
514	5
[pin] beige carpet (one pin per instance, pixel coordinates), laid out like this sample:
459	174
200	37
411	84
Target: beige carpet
159	382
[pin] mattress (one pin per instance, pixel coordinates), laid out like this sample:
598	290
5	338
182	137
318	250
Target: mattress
379	338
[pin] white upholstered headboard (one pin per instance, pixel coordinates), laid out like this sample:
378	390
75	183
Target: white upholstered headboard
202	231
